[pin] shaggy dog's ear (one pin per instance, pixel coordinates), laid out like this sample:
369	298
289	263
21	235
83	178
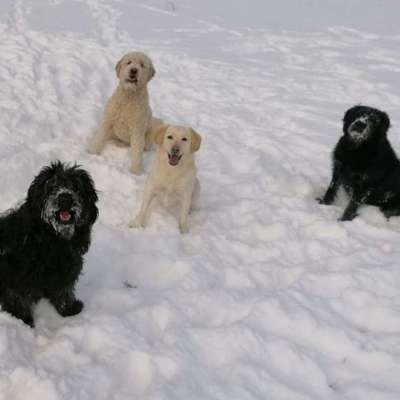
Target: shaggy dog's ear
195	140
118	66
88	191
158	134
152	71
37	188
385	123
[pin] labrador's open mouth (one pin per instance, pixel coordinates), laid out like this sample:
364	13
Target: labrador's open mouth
174	159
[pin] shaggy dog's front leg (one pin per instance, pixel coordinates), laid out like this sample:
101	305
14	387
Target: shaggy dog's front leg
137	147
18	306
65	302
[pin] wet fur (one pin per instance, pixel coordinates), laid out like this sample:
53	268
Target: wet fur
37	262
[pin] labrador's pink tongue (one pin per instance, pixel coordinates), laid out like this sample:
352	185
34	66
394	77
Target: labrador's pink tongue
173	160
65	216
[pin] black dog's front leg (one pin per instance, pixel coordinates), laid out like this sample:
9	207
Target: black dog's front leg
351	210
65	302
333	187
17	306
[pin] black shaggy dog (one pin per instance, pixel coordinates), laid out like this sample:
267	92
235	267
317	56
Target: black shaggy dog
42	243
365	164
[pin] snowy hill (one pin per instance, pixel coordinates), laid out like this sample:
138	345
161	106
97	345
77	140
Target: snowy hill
268	297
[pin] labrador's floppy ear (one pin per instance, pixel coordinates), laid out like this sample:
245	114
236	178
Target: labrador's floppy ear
118	66
158	134
195	140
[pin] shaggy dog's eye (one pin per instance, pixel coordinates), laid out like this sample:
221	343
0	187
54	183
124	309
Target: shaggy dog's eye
184	139
169	137
129	62
142	65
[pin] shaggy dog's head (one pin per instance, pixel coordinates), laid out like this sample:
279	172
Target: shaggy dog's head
64	198
363	124
176	142
134	70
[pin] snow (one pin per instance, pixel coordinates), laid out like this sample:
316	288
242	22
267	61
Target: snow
269	296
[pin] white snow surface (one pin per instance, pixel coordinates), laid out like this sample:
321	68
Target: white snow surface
269	297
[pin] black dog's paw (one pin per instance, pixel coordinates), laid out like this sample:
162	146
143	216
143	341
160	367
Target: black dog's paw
72	309
29	321
325	201
347	217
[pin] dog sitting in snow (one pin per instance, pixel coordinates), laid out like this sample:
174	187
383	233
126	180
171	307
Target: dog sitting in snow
42	242
173	172
128	114
365	164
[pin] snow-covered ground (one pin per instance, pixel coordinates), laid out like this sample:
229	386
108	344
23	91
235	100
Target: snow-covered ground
268	297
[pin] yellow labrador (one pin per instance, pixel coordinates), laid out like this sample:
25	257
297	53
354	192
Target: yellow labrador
173	172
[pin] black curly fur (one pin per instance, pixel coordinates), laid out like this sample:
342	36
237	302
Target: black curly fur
365	165
37	260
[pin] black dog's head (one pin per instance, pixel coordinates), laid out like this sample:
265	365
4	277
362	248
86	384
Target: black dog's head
64	198
365	124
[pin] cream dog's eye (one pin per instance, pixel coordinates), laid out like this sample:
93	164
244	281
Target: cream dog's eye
129	62
142	65
169	137
184	139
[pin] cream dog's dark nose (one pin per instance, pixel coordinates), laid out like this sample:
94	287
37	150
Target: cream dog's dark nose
133	72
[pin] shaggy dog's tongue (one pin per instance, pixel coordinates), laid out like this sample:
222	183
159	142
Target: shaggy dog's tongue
65	216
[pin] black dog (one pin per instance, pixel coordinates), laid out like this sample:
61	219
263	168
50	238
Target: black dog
43	241
365	164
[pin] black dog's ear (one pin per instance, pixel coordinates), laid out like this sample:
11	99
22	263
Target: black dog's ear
37	188
349	117
85	183
385	122
93	214
88	192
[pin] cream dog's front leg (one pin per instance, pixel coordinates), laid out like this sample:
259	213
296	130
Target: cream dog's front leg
186	203
148	195
104	133
137	147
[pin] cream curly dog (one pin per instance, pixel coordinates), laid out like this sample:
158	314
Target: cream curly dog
127	115
173	172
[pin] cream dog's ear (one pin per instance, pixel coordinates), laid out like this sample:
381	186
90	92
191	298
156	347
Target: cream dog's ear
195	140
118	66
158	134
152	71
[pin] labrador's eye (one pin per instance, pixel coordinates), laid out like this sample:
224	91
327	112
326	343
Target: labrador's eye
169	137
184	139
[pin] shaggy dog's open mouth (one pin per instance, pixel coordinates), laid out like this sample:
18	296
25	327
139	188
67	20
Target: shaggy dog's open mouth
174	158
134	80
65	216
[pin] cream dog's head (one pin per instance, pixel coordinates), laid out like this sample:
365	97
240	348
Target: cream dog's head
177	142
134	70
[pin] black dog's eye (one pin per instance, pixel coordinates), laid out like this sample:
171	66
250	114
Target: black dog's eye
169	137
184	139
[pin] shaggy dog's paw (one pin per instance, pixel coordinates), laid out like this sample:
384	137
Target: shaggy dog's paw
72	309
138	222
93	148
29	321
324	201
137	169
184	228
